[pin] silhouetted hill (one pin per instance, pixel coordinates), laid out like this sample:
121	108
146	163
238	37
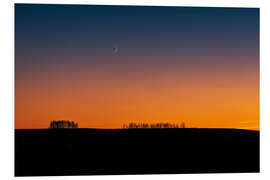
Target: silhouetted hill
135	151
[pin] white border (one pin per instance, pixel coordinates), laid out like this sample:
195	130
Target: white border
7	84
216	3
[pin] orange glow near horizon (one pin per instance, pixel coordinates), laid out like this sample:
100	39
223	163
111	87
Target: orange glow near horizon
205	99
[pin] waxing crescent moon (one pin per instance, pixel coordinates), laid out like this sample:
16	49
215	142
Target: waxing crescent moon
115	49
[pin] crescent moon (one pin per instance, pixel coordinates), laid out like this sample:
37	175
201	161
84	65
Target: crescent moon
115	49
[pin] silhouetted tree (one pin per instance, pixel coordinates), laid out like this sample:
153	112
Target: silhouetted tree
183	125
133	125
62	124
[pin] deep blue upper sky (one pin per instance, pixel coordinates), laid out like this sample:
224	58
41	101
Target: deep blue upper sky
137	29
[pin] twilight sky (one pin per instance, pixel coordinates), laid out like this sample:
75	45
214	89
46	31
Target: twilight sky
103	66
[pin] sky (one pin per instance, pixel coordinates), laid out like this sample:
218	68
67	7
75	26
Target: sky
105	66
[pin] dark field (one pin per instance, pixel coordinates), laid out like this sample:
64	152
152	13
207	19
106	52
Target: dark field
53	152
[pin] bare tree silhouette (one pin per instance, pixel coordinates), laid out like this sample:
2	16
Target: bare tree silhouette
133	125
183	125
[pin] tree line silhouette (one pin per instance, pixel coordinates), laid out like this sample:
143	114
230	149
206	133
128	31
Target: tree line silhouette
133	125
62	124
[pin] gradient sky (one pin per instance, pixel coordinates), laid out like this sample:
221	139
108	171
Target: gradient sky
103	66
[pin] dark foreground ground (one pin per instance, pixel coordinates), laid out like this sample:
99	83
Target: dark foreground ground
51	152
